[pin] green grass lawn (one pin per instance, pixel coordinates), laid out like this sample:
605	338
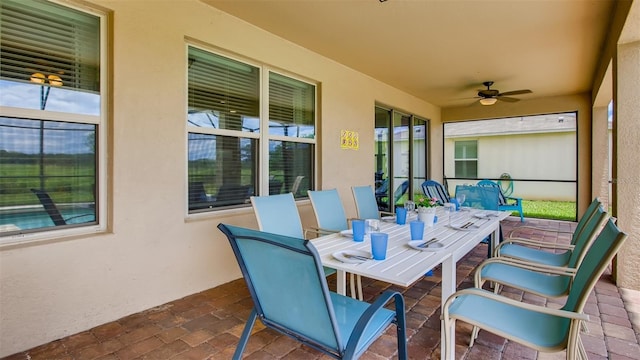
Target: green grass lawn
557	210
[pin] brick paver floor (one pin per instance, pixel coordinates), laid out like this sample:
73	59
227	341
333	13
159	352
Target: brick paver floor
207	325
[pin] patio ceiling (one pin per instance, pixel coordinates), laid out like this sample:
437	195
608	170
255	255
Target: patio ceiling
442	51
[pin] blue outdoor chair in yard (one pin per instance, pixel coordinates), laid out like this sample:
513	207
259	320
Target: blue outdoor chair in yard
308	312
434	189
541	328
505	203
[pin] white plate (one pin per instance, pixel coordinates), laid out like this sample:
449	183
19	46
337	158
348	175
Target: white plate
389	219
436	246
347	233
481	215
345	256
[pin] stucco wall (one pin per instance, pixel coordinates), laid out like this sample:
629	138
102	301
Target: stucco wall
153	252
524	156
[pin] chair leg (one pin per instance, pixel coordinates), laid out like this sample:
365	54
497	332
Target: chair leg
474	335
401	326
245	335
583	327
359	280
352	285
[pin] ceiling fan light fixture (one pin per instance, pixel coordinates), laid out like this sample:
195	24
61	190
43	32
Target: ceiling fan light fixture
488	101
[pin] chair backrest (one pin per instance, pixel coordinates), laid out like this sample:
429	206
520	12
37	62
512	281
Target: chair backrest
232	194
275	187
296	184
50	207
328	209
587	234
401	190
502	200
479	197
366	205
197	192
287	285
592	209
597	258
278	214
434	189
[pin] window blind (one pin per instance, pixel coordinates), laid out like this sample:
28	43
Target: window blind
45	38
223	85
290	101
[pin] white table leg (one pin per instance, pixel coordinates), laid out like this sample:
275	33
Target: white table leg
341	282
448	288
495	239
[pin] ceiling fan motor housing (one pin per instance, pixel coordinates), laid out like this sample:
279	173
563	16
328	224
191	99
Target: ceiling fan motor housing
489	93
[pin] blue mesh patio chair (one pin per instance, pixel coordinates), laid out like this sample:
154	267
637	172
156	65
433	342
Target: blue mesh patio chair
544	252
331	218
505	203
278	214
480	197
538	327
329	211
434	189
541	279
366	204
308	312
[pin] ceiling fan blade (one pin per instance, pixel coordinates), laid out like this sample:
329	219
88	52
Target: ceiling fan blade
517	92
507	99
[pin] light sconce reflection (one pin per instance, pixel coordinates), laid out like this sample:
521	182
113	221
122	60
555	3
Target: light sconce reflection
39	78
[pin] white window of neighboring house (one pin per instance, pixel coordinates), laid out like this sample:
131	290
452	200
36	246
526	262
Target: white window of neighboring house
51	119
466	159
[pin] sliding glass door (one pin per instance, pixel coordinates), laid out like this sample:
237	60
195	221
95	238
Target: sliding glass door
401	156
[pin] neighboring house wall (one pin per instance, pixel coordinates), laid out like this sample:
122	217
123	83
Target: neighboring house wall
546	157
581	104
153	251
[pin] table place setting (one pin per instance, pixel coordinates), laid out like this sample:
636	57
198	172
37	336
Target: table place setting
352	256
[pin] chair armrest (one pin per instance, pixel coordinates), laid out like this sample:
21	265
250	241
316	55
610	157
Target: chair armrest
366	317
505	300
541	268
318	231
536	228
531	243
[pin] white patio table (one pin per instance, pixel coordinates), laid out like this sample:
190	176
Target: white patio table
405	265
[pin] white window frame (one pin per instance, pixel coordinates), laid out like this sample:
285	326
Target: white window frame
455	159
262	136
101	143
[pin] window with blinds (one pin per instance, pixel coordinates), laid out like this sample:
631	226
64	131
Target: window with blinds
45	46
225	124
49	62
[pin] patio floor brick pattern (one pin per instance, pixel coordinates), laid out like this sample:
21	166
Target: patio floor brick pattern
207	325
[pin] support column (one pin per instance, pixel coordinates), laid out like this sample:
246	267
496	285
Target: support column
627	169
600	154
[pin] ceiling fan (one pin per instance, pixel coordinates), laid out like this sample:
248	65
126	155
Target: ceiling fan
490	96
